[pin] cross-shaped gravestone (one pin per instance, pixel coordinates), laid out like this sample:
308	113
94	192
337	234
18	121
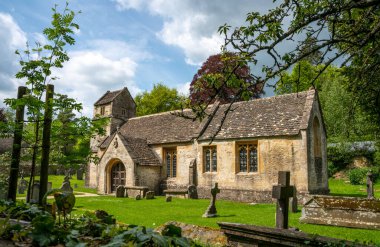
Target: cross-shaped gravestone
282	192
370	193
211	210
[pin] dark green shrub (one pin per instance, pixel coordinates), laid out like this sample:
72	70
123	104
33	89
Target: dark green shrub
358	176
340	155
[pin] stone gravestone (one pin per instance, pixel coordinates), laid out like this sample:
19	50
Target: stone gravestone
80	174
370	192
282	192
149	195
168	198
120	191
192	192
293	202
35	192
211	210
66	185
49	186
22	186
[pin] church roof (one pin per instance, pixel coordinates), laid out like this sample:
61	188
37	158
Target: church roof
107	97
161	128
140	152
274	116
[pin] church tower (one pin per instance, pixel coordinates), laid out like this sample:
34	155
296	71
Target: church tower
118	106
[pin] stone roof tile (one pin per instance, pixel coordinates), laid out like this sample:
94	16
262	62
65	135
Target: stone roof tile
139	151
107	97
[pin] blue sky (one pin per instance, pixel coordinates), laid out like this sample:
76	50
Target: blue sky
132	43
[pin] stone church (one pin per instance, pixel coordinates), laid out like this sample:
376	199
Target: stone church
257	139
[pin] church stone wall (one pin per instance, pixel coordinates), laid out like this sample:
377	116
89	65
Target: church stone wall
149	176
185	154
317	159
114	150
274	154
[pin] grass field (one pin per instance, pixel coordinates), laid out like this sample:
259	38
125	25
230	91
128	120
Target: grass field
152	213
57	182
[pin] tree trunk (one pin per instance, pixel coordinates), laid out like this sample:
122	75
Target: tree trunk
16	149
48	115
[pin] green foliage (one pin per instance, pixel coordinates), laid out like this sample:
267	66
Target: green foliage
142	236
357	176
339	155
160	99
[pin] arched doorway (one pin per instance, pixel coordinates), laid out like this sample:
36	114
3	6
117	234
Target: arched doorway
117	175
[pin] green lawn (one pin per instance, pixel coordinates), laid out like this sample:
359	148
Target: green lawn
152	213
339	187
57	183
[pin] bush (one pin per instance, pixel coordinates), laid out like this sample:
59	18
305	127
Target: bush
359	175
340	155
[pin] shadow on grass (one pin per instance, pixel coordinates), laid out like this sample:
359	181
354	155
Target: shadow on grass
226	216
348	195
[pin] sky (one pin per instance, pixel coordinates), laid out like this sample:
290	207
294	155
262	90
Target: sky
121	43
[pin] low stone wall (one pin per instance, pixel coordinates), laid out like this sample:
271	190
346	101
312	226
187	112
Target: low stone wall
342	211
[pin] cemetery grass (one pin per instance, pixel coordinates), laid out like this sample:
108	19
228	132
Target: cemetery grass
57	183
152	213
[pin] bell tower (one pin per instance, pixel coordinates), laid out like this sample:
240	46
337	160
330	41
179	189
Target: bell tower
118	106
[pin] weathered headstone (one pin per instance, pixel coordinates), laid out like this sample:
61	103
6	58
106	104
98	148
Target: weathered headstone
80	174
149	195
192	172
75	186
49	186
120	191
192	192
66	185
35	192
370	192
293	202
211	210
22	186
138	197
168	199
282	192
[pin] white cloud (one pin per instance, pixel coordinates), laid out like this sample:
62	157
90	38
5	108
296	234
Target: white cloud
192	24
90	73
184	88
12	38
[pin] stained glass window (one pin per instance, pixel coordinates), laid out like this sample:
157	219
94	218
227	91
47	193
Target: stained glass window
171	162
248	158
214	160
210	159
243	158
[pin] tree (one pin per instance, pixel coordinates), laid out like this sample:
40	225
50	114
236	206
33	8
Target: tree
210	82
160	99
345	32
36	68
343	117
